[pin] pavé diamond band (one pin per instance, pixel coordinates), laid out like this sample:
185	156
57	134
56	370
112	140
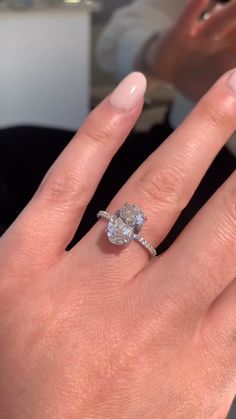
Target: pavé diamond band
125	225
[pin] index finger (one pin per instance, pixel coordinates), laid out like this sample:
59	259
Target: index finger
48	223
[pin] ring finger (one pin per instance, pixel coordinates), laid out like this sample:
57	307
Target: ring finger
164	184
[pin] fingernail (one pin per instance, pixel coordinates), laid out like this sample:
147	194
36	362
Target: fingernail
232	81
129	92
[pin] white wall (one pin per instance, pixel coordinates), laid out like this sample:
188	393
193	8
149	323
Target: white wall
44	67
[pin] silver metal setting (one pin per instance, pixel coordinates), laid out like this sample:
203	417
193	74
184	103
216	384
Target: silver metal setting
125	225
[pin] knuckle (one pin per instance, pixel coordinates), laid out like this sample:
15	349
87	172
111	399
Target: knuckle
224	210
229	203
166	187
63	189
218	343
217	114
98	133
228	331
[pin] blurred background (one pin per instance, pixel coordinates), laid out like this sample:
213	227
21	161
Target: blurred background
159	96
49	72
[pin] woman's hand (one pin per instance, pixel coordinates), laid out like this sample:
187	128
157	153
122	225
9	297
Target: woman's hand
194	53
102	331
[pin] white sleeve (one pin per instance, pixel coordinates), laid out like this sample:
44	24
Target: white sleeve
129	30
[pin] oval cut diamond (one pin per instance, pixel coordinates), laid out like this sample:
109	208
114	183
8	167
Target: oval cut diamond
118	232
132	216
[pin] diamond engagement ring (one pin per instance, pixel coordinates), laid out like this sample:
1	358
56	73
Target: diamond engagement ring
125	225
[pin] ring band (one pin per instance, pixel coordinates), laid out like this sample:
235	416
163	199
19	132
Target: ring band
125	225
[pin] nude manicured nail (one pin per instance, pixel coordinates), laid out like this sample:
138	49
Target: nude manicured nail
129	92
232	81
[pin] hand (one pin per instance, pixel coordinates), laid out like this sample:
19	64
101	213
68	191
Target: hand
104	332
194	53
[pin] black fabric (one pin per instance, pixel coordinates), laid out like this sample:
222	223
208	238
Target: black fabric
26	153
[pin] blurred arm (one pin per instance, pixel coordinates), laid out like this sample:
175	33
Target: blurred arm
130	29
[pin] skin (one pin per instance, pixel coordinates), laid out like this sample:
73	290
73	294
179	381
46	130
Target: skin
106	333
194	53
